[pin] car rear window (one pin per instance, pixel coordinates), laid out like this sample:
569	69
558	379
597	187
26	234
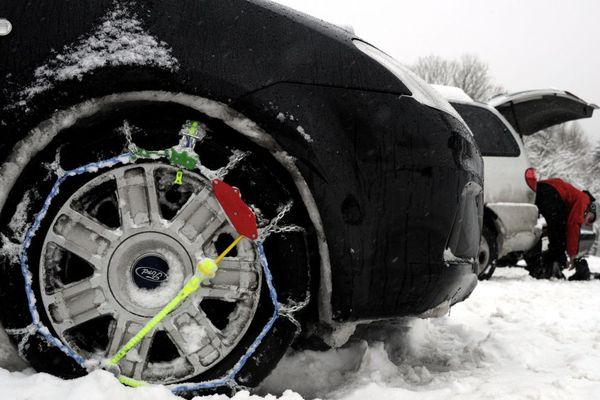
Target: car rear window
492	136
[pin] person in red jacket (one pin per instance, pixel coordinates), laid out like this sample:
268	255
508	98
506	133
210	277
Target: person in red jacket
565	209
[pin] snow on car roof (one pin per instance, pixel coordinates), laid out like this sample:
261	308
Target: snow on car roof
452	93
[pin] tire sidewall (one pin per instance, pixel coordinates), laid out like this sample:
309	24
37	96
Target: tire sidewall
488	239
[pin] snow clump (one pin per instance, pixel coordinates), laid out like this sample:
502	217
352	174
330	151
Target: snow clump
119	40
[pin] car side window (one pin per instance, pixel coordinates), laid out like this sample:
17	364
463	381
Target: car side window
492	136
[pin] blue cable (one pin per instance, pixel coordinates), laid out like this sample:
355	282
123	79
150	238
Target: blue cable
45	332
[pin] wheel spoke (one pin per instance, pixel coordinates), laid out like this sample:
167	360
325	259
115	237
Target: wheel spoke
186	346
197	317
78	288
119	336
199	218
175	335
76	304
153	205
234	281
223	293
195	337
133	363
91	225
143	348
83	236
138	201
246	251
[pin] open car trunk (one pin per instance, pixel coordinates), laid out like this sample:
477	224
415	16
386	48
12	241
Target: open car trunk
531	111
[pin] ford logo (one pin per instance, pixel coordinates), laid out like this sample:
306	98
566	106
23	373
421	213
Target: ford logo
151	274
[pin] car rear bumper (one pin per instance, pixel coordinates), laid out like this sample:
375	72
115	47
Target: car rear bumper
587	238
454	276
516	224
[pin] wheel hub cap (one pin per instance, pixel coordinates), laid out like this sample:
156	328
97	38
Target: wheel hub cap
150	272
156	265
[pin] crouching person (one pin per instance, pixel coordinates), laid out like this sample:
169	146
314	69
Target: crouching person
565	208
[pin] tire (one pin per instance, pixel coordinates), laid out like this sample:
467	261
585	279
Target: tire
89	213
488	254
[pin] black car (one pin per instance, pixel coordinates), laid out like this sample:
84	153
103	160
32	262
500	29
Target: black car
367	186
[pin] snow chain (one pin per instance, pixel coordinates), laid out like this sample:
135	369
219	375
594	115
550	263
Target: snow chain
181	156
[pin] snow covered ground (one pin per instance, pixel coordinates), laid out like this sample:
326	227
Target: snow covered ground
515	338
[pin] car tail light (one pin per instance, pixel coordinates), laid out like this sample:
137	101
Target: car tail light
531	178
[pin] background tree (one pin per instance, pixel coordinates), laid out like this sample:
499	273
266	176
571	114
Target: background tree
565	152
467	72
561	151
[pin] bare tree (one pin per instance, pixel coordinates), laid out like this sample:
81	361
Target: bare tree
564	151
468	73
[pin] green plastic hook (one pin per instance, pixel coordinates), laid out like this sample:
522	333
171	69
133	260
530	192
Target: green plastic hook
179	178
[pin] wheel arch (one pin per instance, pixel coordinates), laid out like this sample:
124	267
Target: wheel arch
38	138
493	222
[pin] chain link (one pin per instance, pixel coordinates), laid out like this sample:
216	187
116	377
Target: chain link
234	160
27	332
236	387
261	221
286	228
125	130
54	167
294	306
288	310
273	225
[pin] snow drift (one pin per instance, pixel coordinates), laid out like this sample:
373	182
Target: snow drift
515	338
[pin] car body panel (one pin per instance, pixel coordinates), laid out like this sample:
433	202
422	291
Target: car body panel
587	239
517	223
507	196
531	111
388	188
282	50
506	182
389	179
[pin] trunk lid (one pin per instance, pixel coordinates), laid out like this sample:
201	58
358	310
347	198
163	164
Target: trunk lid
531	111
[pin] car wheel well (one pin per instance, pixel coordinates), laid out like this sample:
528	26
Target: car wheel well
489	233
489	219
47	153
42	135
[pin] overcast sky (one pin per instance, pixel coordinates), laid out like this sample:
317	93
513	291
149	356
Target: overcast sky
528	44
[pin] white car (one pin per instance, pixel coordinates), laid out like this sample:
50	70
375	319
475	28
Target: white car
511	216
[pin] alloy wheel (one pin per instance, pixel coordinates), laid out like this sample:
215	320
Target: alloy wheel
121	247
